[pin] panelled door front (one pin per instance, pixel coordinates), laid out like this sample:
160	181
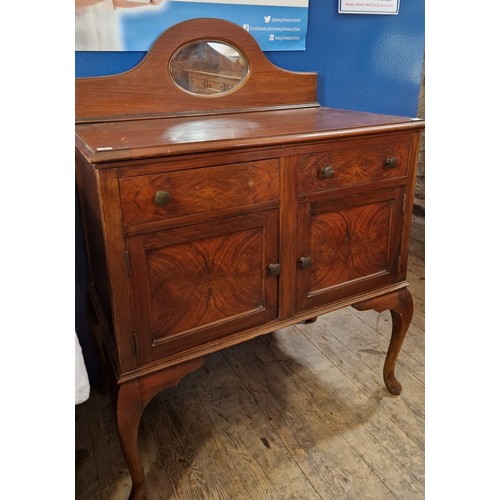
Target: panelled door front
347	245
193	284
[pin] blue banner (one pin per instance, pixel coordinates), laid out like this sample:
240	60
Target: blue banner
276	25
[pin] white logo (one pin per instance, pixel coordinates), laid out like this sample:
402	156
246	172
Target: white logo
267	18
271	37
246	27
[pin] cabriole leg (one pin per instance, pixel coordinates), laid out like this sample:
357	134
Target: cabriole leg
132	397
400	303
129	408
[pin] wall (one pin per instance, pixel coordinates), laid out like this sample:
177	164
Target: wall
419	203
364	62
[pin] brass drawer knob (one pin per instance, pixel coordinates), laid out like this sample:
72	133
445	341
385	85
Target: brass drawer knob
273	269
305	262
391	162
162	198
326	173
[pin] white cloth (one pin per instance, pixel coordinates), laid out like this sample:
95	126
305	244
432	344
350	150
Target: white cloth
82	386
96	27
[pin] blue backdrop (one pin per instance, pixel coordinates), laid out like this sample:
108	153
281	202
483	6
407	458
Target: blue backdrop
364	62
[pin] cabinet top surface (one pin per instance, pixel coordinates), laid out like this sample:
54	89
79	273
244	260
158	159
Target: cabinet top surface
133	139
206	86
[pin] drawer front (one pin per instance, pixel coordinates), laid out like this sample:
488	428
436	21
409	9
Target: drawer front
349	164
155	197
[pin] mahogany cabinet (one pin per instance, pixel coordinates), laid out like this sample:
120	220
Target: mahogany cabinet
214	216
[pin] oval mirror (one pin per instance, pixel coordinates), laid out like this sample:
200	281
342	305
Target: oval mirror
208	68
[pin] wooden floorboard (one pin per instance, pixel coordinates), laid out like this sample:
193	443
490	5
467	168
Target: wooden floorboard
301	414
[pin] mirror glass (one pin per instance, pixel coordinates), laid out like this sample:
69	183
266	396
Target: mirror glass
208	68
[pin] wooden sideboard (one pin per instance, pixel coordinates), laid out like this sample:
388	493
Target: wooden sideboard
213	218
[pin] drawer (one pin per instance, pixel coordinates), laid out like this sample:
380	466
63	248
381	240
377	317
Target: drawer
154	197
349	164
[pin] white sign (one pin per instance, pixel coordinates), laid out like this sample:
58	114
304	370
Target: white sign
368	6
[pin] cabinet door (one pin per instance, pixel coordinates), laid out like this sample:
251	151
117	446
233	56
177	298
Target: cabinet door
348	245
197	283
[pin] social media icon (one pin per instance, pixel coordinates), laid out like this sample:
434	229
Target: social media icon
246	27
271	37
267	18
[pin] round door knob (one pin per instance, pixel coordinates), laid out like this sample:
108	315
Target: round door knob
273	269
305	262
326	172
391	162
162	198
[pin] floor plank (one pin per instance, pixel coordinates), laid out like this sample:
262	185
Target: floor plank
313	439
87	482
301	414
342	398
